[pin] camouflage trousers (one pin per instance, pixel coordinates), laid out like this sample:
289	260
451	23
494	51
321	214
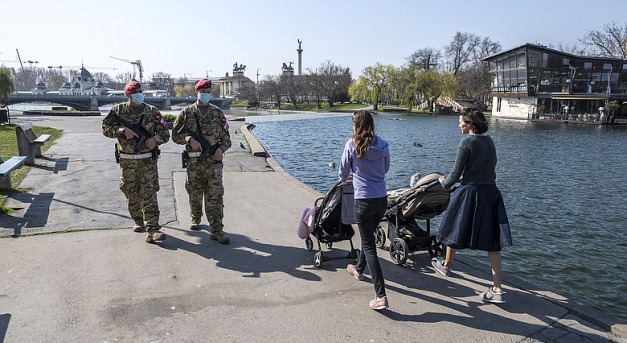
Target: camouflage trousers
139	181
204	180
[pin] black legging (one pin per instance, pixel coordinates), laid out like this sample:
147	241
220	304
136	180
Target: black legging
368	213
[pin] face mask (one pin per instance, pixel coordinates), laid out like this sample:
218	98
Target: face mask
137	98
204	97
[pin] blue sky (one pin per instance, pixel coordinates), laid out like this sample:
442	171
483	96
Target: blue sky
192	37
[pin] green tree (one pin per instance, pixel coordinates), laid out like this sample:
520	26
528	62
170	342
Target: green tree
433	84
376	78
408	85
187	90
359	90
6	84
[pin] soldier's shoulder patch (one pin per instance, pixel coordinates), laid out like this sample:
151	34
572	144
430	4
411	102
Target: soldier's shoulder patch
225	123
159	118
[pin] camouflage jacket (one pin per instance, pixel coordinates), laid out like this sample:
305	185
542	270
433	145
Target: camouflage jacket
213	127
151	120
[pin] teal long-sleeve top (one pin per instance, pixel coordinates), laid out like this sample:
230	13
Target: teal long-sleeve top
475	162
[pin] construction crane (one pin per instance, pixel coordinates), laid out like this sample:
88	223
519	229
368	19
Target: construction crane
30	62
19	58
136	63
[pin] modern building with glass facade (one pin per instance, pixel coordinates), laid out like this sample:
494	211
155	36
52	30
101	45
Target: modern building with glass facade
533	81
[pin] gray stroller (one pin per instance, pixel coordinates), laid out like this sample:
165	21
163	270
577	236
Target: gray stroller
334	216
425	200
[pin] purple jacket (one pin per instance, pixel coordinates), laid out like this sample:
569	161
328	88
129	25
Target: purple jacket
368	171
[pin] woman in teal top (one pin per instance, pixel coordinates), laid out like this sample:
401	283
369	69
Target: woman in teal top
475	217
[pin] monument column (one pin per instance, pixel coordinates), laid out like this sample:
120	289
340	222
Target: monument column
300	58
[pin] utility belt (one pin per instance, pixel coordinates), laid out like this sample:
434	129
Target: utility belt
186	155
154	154
135	156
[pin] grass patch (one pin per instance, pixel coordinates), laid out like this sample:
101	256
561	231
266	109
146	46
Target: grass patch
8	149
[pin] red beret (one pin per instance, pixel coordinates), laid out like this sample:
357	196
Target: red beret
132	87
204	83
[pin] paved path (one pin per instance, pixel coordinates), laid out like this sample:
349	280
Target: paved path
91	279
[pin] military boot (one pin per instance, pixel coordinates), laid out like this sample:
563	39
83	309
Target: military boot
155	236
138	226
220	236
195	225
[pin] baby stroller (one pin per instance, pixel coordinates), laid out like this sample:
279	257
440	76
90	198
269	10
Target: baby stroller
425	200
333	219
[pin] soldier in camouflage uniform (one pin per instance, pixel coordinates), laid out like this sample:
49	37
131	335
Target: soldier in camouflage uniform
204	175
139	180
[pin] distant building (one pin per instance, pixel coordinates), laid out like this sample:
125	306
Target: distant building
530	78
156	93
230	85
82	83
40	88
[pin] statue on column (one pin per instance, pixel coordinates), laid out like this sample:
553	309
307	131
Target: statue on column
299	43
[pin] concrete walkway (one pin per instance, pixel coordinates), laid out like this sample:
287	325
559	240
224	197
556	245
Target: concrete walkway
78	273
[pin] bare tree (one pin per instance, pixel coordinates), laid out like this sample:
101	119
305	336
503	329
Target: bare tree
249	92
102	77
474	80
161	80
26	78
461	51
124	78
330	82
485	48
292	87
55	80
571	49
610	41
272	88
425	58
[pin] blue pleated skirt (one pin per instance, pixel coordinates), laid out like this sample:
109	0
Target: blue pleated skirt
475	219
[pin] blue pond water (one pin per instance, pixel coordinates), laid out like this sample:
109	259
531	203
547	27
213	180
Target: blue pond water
564	187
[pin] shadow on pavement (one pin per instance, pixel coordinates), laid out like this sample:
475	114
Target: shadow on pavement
244	255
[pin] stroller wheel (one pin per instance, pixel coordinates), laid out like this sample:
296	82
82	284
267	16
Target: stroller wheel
433	247
318	259
379	237
329	245
398	251
309	243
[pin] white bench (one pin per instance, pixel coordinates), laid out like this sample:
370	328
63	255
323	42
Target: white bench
6	167
28	143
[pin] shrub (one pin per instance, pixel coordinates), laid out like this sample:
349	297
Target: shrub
170	118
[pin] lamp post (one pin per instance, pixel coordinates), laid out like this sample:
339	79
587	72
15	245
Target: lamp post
571	79
207	72
609	80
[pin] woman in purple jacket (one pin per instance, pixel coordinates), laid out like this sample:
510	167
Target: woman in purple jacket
366	155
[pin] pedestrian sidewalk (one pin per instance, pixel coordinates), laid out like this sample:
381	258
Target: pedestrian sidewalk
78	273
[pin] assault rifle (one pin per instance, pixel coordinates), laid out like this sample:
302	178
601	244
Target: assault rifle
207	149
143	134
